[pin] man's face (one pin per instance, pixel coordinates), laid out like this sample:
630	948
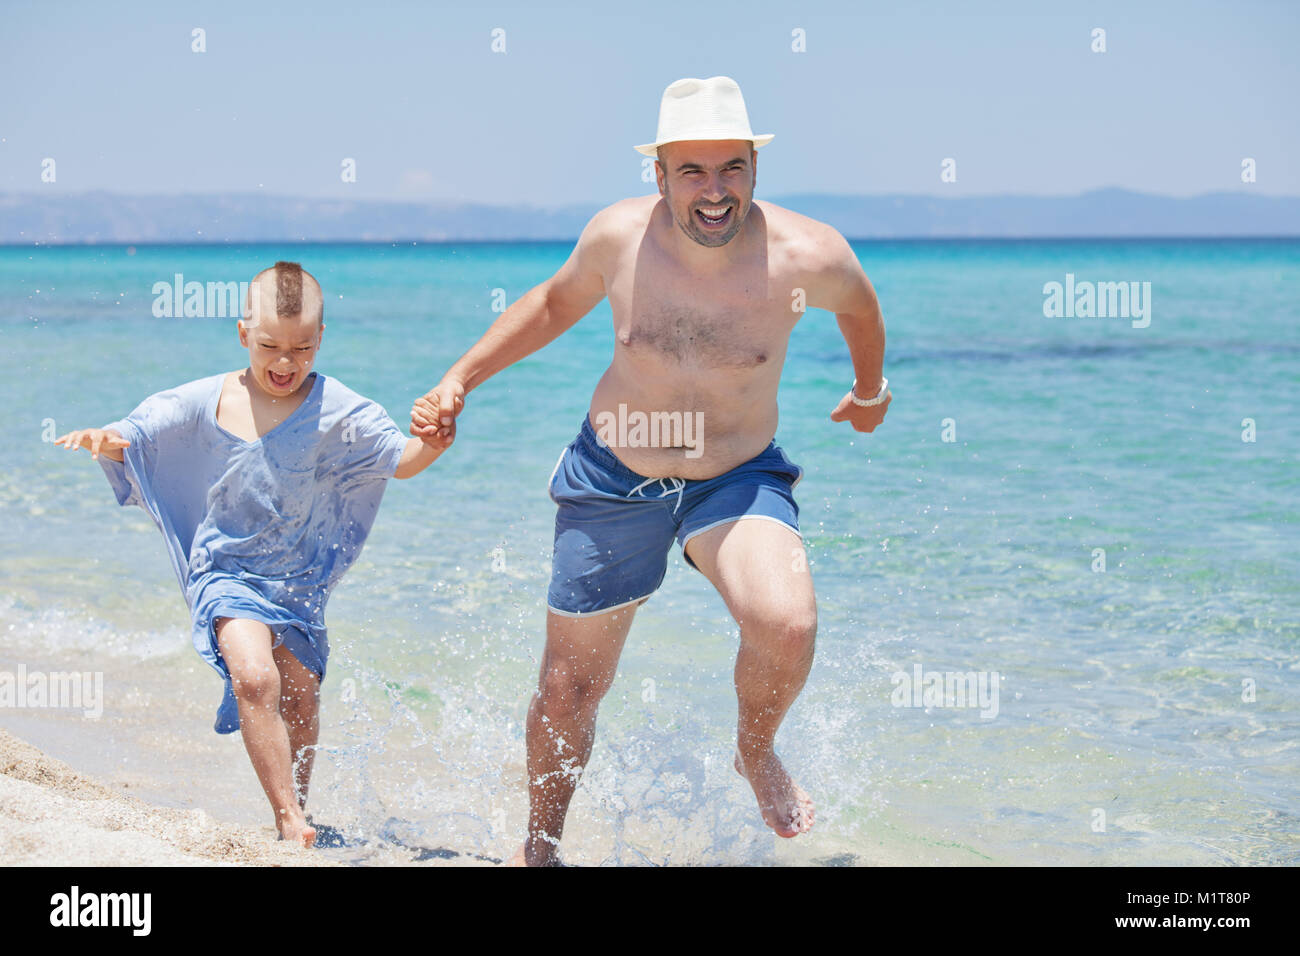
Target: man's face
708	186
281	350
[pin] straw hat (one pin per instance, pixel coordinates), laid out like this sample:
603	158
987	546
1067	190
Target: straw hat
694	109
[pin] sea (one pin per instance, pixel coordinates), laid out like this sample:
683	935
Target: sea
1058	588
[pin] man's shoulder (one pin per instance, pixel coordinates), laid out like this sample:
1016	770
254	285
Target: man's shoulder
789	226
620	220
632	208
803	241
612	231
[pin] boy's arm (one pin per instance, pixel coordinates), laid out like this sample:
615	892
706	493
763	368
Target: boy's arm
106	440
419	455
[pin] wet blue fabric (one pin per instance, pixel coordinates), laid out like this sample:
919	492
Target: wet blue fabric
614	527
263	529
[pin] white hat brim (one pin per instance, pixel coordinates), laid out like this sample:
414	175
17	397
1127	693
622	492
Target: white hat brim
651	149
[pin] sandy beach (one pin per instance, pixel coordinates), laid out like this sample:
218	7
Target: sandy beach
51	815
147	782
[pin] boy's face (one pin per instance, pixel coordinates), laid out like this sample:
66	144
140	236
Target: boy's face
281	350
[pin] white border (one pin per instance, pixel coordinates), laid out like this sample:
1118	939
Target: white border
603	610
551	480
708	527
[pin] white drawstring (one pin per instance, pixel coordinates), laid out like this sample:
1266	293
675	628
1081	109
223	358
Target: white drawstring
676	488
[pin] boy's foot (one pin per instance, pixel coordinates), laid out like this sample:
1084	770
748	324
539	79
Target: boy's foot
786	808
519	859
294	828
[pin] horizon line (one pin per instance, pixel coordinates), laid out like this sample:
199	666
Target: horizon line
150	243
40	193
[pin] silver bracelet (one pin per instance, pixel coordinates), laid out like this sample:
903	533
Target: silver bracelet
868	402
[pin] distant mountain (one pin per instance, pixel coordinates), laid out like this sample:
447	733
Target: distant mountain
107	217
1103	212
101	217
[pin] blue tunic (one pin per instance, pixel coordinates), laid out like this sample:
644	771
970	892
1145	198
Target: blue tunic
262	529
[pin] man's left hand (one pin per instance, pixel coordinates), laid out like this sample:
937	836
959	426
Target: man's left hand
863	419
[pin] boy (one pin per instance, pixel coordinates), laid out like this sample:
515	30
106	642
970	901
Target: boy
264	483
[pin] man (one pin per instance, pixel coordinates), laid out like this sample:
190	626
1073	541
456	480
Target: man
705	285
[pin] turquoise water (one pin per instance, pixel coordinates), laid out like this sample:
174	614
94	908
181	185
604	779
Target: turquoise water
1121	690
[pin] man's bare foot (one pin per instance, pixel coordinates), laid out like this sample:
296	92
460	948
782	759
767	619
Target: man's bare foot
786	808
294	828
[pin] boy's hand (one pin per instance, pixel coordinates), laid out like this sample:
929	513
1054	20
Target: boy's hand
97	440
437	443
433	416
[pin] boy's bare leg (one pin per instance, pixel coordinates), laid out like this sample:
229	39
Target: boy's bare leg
300	710
578	666
761	571
246	648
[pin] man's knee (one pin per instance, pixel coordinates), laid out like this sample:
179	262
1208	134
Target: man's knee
567	690
785	634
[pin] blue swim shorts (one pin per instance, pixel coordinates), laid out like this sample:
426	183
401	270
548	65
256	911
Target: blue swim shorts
614	527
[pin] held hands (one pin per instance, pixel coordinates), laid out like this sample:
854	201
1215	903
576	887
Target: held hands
433	416
863	419
97	440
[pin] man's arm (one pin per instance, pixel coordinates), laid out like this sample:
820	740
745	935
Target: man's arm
534	321
840	286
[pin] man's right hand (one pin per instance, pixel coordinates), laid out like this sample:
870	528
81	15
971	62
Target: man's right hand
433	416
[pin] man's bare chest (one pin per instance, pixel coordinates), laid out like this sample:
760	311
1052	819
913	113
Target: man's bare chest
742	323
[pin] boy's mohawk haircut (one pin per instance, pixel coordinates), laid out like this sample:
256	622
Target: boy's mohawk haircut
288	288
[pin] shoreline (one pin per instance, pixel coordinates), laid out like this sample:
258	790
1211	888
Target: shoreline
147	783
53	815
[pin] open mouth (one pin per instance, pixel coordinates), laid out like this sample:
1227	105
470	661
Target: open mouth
714	216
281	380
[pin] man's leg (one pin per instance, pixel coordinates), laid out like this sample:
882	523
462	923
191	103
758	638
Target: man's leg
246	648
760	569
578	666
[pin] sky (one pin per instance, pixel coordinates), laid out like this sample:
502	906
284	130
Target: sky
413	93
